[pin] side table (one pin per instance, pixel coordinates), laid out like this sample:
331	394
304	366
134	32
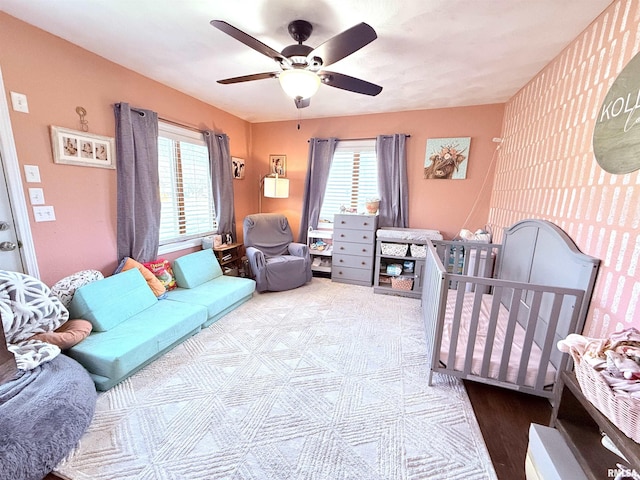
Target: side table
229	257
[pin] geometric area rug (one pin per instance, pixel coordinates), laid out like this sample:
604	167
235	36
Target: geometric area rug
327	381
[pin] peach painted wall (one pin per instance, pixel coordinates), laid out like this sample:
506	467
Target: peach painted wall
439	204
57	76
546	167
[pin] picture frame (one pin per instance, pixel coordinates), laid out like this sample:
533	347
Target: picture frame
237	164
72	147
278	165
447	158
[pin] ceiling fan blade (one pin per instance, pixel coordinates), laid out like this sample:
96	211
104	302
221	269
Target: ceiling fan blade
248	78
248	40
302	102
343	44
345	82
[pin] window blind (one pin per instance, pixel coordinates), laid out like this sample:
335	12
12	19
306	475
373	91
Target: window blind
186	199
353	177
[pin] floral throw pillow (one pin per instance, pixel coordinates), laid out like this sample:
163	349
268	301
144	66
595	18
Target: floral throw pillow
162	270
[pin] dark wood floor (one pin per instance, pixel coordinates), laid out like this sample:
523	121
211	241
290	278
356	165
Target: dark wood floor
504	417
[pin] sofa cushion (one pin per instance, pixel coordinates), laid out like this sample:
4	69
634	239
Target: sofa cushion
109	302
218	296
196	268
114	355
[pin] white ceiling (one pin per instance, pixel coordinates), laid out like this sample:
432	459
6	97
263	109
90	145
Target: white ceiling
428	54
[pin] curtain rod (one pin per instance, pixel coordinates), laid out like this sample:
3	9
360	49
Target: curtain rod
188	127
356	139
183	125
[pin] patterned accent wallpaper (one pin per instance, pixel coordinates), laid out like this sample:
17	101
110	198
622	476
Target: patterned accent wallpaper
546	169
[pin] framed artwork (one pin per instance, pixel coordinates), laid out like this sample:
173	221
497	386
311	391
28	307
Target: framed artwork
72	147
278	165
447	158
238	167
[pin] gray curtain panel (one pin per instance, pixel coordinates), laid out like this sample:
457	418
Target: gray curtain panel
318	165
138	183
222	181
392	180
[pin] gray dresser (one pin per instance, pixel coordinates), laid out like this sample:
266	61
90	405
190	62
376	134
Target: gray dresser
354	240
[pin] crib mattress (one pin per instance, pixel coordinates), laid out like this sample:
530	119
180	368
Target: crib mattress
498	343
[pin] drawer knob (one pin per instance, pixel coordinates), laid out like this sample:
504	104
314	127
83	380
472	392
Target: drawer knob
341	248
342	235
342	222
363	263
365	224
341	260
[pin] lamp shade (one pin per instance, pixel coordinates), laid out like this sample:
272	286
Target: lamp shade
299	83
275	187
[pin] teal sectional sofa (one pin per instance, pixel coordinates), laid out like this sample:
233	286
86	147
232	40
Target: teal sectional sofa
131	327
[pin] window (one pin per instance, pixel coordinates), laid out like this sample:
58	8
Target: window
353	177
187	209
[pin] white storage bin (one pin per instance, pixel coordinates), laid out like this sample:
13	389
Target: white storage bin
394	249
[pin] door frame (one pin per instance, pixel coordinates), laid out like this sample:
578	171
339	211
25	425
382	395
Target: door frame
14	187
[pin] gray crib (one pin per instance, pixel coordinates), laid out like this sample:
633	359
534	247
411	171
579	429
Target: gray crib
494	313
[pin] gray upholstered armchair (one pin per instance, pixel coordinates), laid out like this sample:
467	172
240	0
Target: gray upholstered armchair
277	262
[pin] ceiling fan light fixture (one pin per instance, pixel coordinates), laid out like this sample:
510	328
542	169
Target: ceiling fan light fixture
299	83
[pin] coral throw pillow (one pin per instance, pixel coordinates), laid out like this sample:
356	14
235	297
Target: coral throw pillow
162	270
67	335
155	285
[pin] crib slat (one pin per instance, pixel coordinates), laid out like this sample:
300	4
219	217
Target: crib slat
455	326
549	342
551	339
491	331
508	335
473	329
486	261
532	323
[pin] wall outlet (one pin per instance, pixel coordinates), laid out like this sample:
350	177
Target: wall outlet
36	195
44	213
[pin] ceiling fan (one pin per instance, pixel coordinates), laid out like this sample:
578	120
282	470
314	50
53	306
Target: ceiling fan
302	67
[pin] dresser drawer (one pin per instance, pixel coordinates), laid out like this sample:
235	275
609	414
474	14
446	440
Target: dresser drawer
355	222
359	249
352	261
353	236
351	275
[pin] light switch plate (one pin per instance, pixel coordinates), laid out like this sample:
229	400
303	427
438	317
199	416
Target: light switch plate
44	213
36	195
32	173
19	102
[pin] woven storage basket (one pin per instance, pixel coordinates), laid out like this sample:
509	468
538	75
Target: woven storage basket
395	249
402	283
622	410
418	251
